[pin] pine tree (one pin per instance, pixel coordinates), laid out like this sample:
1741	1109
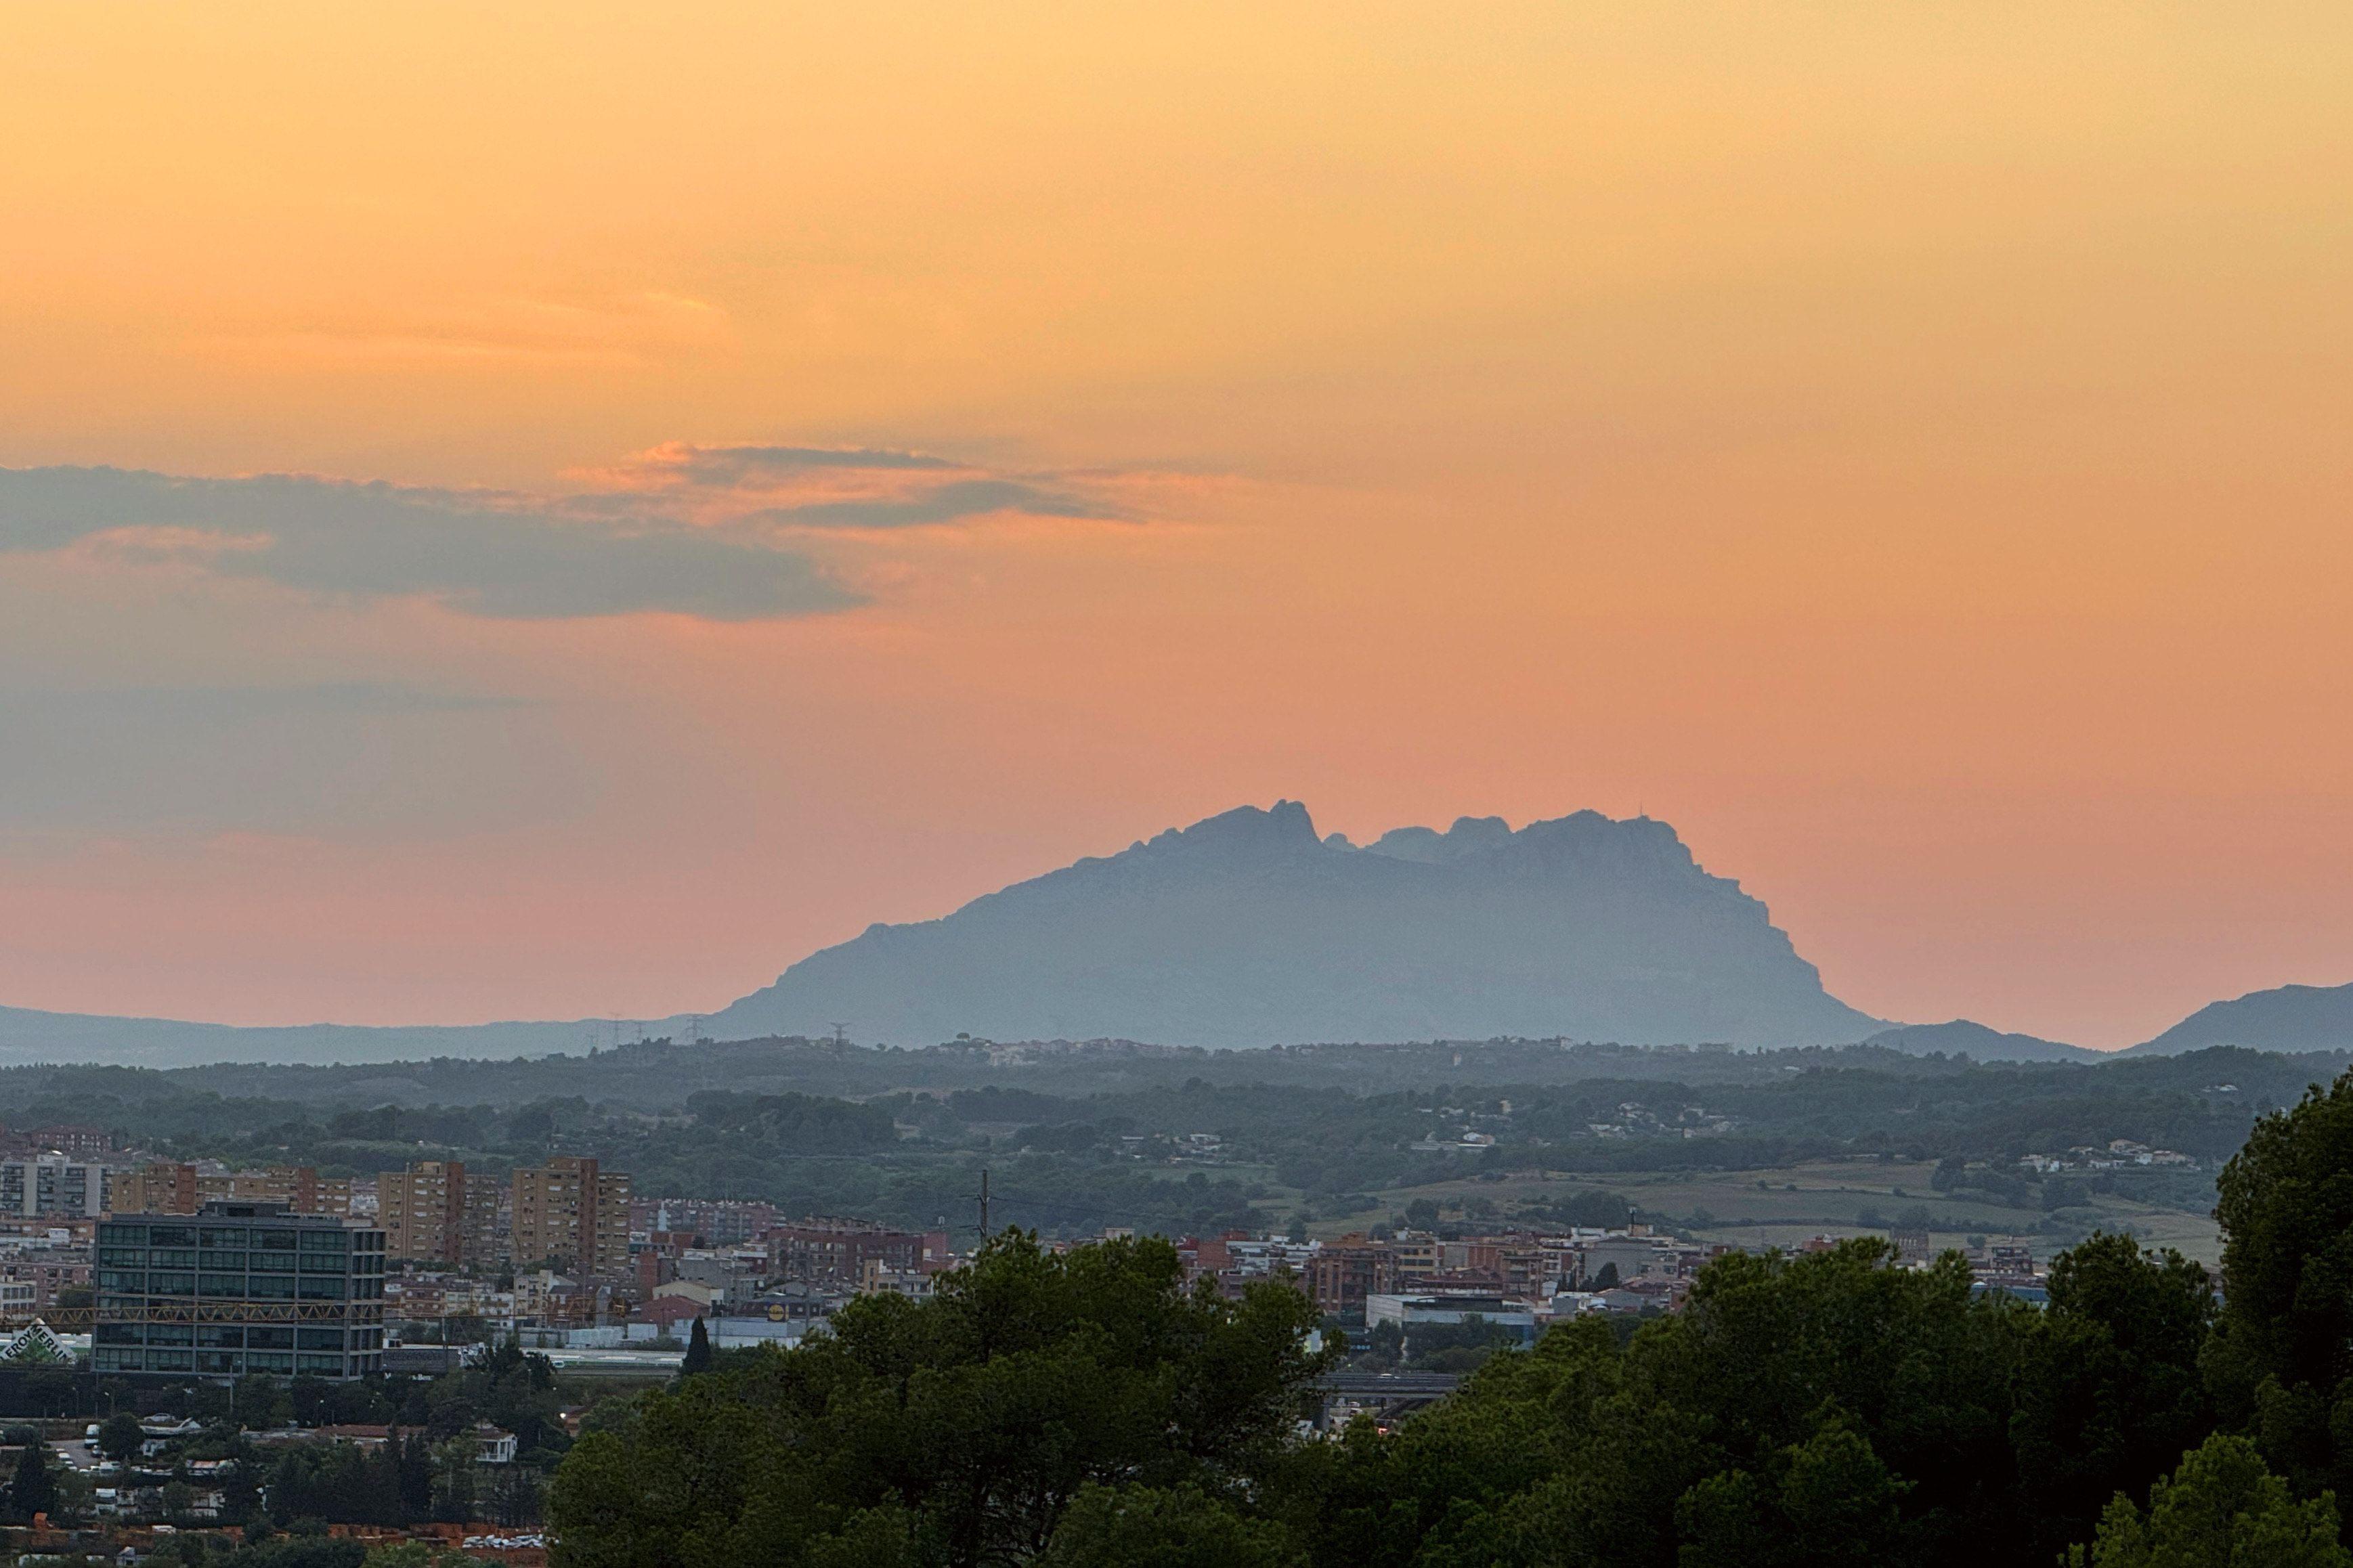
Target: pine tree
698	1351
34	1490
415	1477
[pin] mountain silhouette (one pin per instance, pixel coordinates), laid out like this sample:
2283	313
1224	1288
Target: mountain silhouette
1247	929
2285	1019
1964	1036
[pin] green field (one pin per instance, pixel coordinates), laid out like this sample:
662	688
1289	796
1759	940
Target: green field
1784	1207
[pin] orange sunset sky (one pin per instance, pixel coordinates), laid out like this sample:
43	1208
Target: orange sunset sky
840	460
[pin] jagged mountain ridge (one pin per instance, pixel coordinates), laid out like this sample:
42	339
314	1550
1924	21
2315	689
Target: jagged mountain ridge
1246	929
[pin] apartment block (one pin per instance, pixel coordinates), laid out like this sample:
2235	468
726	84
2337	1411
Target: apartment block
1344	1273
66	1139
44	1187
717	1223
436	1213
1417	1255
570	1215
298	1187
423	1210
48	1270
839	1251
162	1186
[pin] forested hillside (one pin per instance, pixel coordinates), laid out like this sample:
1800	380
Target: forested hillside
899	1136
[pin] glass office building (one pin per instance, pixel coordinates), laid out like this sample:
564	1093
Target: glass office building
237	1288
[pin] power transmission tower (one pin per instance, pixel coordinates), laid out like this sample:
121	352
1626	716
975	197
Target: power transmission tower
985	1232
841	1036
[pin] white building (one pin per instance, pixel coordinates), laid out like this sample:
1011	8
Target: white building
1411	1312
40	1185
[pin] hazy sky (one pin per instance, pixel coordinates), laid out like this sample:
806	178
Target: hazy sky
593	502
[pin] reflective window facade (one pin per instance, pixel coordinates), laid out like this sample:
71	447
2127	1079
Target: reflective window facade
239	1288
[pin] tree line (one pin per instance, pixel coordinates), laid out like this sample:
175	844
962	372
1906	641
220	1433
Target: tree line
1086	1410
906	1150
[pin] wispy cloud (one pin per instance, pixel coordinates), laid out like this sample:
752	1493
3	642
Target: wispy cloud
954	503
483	555
735	464
826	489
721	533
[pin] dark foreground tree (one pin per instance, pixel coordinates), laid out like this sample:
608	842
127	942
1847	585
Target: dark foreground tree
2281	1361
2109	1393
1828	1410
1141	1527
1827	1503
698	1351
957	1430
2222	1509
1819	1409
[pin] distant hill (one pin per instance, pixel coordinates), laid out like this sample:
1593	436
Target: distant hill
1248	928
27	1036
1963	1037
2286	1018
